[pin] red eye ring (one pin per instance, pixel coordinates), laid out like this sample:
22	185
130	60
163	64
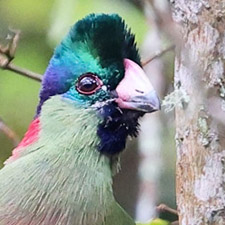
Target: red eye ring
88	84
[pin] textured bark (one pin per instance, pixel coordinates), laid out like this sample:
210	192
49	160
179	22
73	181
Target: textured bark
200	116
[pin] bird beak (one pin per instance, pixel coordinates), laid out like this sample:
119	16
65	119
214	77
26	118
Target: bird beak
135	90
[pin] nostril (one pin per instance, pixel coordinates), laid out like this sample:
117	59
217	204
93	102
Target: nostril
142	92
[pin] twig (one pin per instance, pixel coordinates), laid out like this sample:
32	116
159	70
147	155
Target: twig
163	208
159	54
24	72
7	55
9	133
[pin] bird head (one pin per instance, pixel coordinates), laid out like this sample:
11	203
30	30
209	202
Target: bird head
97	66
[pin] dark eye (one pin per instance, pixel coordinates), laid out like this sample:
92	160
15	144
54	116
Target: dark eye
88	84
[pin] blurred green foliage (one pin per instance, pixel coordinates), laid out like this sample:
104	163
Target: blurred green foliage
64	15
155	222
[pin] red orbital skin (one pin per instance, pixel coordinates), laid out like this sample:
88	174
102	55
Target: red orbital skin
30	137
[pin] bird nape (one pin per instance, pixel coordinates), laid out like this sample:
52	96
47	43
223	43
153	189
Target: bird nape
93	93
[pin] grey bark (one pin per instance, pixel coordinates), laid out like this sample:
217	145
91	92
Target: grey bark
200	116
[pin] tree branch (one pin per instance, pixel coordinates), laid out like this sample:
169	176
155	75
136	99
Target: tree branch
165	208
24	72
9	133
159	54
7	54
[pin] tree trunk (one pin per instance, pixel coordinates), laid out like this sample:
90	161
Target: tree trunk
200	114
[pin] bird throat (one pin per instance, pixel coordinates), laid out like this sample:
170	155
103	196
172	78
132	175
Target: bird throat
67	175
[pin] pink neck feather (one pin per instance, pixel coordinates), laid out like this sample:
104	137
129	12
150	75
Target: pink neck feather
30	137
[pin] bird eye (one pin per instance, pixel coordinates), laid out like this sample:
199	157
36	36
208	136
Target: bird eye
88	84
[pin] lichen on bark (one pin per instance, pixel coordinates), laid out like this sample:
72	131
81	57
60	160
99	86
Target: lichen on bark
200	71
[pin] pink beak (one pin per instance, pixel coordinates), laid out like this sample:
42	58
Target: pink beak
135	90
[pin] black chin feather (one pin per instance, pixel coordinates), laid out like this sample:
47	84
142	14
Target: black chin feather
117	125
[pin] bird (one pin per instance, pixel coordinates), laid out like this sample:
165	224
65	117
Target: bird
93	93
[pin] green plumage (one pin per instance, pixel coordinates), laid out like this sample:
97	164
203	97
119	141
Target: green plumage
70	180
